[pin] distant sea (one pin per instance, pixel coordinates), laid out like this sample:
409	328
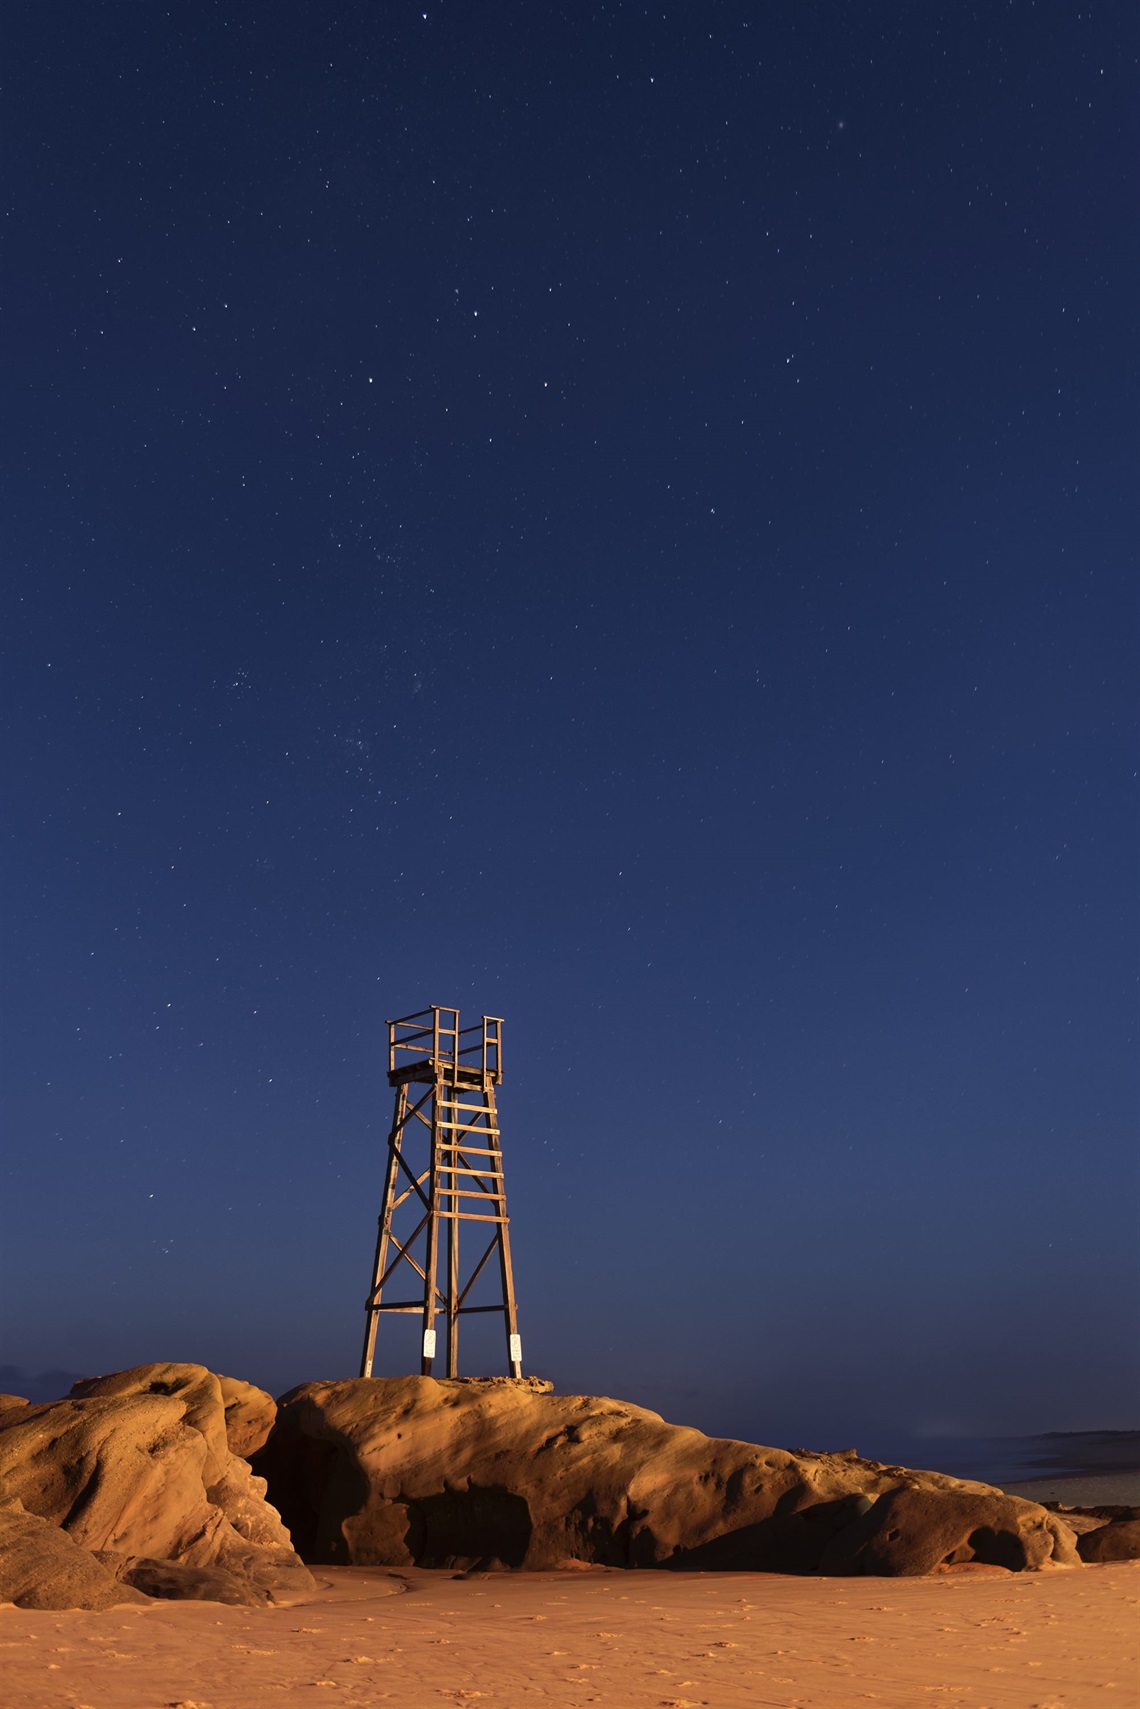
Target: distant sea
1015	1459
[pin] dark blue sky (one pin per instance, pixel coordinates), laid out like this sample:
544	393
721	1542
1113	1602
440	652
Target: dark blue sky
618	517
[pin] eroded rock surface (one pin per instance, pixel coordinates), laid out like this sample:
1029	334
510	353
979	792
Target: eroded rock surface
908	1532
138	1466
40	1567
250	1416
1119	1540
171	1581
464	1473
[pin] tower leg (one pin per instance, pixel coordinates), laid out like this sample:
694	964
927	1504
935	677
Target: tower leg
383	1231
506	1270
453	1281
431	1261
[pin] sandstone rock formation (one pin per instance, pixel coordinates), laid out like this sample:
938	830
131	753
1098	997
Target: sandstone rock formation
911	1531
250	1415
1119	1540
132	1485
40	1567
464	1473
173	1582
138	1467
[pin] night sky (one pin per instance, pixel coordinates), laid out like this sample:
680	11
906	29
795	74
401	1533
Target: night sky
621	518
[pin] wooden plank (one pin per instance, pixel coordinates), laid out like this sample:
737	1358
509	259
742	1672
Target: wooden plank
452	1289
506	1270
415	1181
404	1196
469	1216
421	1071
481	1178
403	1255
474	1276
383	1233
432	1257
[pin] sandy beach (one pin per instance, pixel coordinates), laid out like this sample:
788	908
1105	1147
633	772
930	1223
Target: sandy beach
1108	1489
979	1636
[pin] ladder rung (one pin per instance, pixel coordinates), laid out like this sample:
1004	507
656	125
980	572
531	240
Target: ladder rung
468	1150
441	1308
471	1216
454	1104
469	1193
479	1174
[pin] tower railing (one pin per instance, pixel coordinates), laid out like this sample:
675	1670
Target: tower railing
433	1038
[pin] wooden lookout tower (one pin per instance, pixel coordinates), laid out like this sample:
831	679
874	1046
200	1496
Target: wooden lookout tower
444	1169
